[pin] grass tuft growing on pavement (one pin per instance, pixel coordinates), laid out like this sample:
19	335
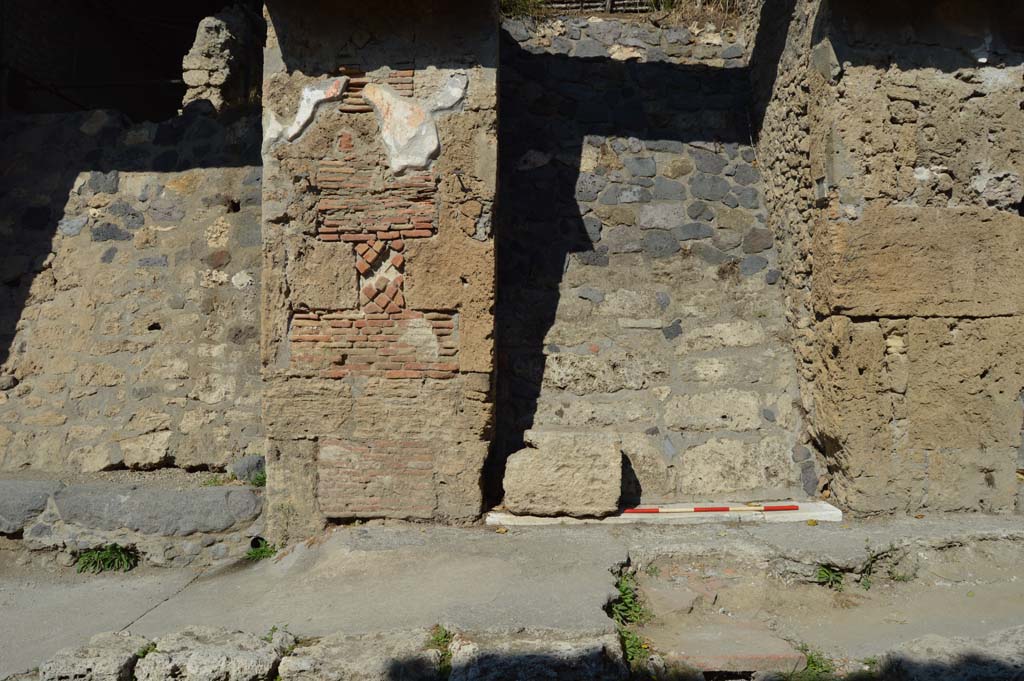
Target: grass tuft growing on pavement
830	577
261	551
441	641
819	667
112	557
259	479
628	608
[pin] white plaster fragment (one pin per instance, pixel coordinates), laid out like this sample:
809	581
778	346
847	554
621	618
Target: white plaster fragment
312	97
407	125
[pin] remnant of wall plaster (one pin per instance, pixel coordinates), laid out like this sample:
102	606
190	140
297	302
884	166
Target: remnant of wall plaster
407	126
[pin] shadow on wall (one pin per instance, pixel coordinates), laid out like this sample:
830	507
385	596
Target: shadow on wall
39	172
549	104
918	34
192	140
546	666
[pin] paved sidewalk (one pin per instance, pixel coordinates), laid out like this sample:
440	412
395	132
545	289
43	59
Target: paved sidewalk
367	578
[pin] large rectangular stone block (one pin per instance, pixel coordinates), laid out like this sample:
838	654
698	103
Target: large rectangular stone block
900	261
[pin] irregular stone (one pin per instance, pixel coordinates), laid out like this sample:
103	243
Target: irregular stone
72	226
758	240
735	219
575	474
606	373
694	230
708	187
147	452
734	51
592	224
659	243
22	500
153	261
209	654
747	175
312	97
108	231
710	254
825	61
709	162
737	334
247	467
772	277
698	210
157	511
589	49
728	409
107	657
640	166
496	656
752	264
108	255
677	167
589	186
661	216
726	239
667	190
382	656
591	294
101	183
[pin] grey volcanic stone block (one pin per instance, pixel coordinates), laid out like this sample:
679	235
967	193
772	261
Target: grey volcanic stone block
659	243
165	512
72	226
694	230
709	187
248	466
107	657
758	240
23	500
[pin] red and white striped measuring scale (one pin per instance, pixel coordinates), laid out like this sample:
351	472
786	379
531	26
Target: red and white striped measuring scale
773	508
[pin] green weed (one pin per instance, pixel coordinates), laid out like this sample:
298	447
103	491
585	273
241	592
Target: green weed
441	641
628	608
261	551
145	650
637	650
830	577
819	667
259	479
652	571
112	557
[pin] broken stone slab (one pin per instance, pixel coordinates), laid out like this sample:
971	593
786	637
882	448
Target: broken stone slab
165	512
22	500
370	657
719	643
499	655
107	657
565	473
210	654
996	657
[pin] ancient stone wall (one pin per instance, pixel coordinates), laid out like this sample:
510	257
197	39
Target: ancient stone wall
893	152
380	162
638	310
128	293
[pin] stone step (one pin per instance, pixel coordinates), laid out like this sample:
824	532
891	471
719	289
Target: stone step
718	643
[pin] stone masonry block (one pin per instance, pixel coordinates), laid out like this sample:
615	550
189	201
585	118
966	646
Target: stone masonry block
898	261
565	473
